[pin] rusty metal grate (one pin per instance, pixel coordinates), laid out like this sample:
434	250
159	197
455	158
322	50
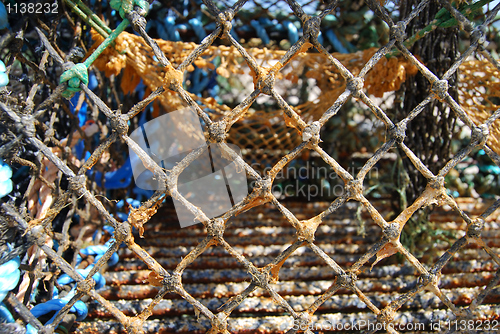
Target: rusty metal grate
215	276
262	277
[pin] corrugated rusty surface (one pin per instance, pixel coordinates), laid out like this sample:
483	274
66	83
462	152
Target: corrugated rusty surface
260	235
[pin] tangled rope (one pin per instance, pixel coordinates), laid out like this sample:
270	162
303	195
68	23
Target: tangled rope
78	73
10	275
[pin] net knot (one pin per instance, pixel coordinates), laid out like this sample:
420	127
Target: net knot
478	36
311	132
172	282
215	228
397	32
479	135
134	325
173	78
224	20
354	189
392	231
303	321
474	230
217	131
77	184
386	316
74	76
219	323
355	85
426	279
307	228
85	286
124	7
265	80
397	132
264	185
119	123
436	182
312	28
122	233
347	280
440	88
260	277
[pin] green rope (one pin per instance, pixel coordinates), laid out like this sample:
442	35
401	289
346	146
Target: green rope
443	19
75	75
110	39
125	6
79	73
88	16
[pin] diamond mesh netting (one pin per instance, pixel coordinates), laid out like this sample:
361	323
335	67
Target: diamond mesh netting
69	216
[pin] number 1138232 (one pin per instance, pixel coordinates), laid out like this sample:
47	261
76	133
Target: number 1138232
32	8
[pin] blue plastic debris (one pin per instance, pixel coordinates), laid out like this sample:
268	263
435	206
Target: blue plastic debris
83	120
9	276
5	315
337	44
198	28
173	34
4	78
117	179
261	32
293	33
79	308
65	279
490	169
132	202
97	251
5	179
4	21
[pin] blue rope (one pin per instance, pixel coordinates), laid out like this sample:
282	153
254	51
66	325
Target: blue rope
337	44
79	308
171	30
293	32
9	277
65	279
98	252
198	28
261	32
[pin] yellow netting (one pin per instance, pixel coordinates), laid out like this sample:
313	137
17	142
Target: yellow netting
259	129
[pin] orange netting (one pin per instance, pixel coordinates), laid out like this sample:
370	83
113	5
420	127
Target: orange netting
479	95
259	129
